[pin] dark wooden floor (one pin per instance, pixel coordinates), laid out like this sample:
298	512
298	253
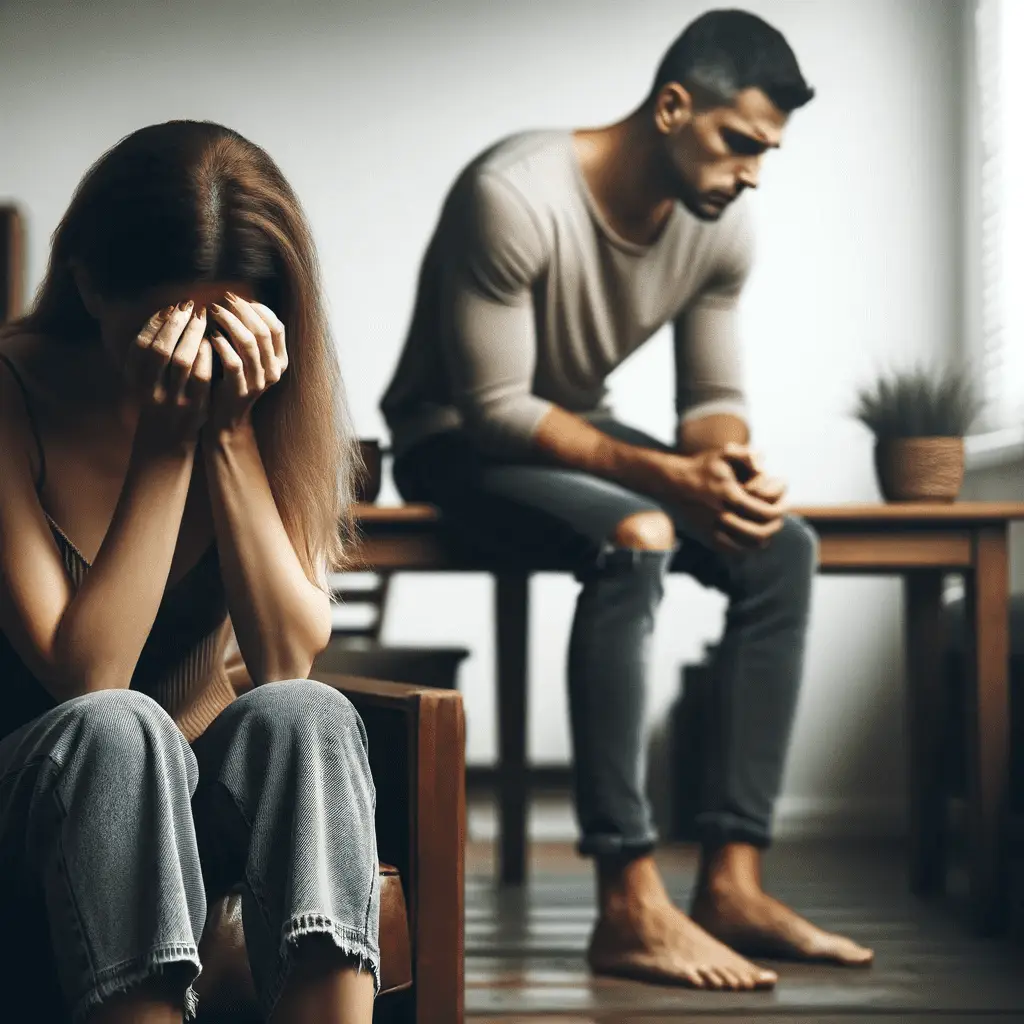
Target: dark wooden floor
525	948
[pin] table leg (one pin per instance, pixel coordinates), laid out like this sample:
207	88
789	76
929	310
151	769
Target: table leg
988	723
926	720
512	617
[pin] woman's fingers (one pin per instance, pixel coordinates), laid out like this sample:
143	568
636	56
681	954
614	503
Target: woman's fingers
277	334
244	342
234	367
198	384
150	353
184	356
152	325
195	398
260	329
158	355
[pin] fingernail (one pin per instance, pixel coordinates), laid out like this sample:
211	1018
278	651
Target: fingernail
231	295
185	304
216	306
200	313
168	311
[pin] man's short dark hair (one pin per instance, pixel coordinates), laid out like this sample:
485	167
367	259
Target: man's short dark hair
726	51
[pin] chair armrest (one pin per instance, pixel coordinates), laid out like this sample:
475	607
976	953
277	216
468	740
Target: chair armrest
417	750
377	692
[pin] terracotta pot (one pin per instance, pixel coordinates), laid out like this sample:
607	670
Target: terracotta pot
920	468
368	476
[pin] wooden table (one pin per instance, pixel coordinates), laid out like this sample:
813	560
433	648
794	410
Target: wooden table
920	543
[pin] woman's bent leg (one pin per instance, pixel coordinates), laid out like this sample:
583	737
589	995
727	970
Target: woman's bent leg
95	817
287	805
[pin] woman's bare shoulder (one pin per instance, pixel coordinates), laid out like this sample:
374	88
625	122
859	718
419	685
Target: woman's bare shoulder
24	349
49	369
15	341
15	425
42	387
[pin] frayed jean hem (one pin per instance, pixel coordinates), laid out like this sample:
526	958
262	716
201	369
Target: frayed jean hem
352	942
132	973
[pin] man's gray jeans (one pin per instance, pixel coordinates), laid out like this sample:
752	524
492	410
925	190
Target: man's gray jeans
532	514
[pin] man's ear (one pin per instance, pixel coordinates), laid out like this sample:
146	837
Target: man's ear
673	108
89	296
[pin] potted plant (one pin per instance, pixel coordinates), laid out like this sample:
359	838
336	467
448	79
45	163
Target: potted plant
919	419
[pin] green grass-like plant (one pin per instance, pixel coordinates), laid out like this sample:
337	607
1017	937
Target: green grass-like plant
919	403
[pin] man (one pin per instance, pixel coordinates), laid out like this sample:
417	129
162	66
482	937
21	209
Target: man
556	256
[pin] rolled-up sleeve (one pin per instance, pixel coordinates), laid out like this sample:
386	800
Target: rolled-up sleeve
709	371
494	258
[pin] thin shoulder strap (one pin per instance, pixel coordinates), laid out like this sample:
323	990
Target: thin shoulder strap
32	422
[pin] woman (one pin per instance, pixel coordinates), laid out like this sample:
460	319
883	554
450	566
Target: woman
171	432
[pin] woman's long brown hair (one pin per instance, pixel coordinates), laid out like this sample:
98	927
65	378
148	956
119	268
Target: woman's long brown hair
189	201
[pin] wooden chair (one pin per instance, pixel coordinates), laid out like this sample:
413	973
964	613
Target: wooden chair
356	647
416	740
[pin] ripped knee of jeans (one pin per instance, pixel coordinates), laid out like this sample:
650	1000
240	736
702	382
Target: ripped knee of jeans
612	560
649	530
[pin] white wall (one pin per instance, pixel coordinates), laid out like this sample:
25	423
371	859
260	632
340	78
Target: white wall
372	107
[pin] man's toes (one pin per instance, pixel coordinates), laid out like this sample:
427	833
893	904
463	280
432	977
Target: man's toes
848	952
715	978
693	978
738	980
725	977
747	973
842	950
747	979
765	978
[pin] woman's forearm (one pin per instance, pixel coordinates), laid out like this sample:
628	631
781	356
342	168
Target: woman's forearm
105	627
281	619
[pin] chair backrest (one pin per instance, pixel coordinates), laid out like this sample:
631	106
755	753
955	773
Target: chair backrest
12	262
360	601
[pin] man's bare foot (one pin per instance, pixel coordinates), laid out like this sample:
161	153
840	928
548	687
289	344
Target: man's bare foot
731	905
641	934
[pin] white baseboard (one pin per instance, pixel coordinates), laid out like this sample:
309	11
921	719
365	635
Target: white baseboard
552	820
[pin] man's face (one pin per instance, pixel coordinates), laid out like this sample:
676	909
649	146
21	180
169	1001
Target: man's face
714	153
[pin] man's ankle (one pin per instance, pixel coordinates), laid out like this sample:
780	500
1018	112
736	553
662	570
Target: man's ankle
625	879
729	870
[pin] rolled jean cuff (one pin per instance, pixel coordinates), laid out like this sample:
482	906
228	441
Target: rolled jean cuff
607	845
133	973
353	943
722	827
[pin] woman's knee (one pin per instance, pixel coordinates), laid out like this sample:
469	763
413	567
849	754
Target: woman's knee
124	720
645	531
122	737
297	706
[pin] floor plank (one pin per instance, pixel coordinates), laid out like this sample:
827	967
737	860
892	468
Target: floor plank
525	948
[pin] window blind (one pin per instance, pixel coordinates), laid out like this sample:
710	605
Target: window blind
1000	79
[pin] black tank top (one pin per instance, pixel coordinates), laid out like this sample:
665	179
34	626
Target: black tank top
181	665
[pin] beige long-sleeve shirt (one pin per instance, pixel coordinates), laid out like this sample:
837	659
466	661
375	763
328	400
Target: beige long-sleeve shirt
527	298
